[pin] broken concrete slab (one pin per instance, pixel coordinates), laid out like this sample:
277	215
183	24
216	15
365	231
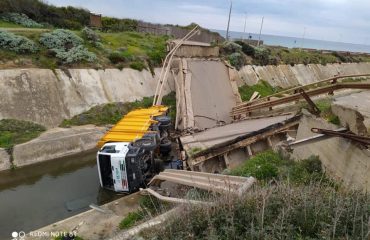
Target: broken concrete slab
218	135
353	111
341	159
56	143
228	146
4	160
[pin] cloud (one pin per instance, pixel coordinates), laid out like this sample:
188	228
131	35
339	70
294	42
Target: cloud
345	20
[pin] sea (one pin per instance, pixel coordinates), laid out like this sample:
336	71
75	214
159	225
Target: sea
293	42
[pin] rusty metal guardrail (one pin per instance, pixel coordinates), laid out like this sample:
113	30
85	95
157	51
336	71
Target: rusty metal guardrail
248	107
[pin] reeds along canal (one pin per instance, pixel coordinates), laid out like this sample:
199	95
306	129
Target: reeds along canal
37	195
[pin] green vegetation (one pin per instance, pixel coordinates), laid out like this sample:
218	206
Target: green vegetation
268	55
14	132
15	43
262	87
41	12
148	207
85	48
269	165
5	24
325	107
131	219
21	19
194	151
292	200
111	113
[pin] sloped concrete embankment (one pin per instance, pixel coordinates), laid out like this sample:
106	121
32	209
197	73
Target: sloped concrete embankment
288	76
341	158
47	97
54	143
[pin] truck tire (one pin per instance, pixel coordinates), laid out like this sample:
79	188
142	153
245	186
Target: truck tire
165	146
164	122
147	144
158	166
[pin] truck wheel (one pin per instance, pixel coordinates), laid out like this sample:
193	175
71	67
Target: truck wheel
158	166
165	146
145	143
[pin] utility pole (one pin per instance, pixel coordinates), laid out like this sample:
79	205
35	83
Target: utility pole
228	23
259	36
245	25
303	36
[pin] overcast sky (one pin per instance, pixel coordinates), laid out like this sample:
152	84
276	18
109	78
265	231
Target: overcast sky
335	20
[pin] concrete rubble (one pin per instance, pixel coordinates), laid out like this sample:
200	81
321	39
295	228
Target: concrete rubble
354	111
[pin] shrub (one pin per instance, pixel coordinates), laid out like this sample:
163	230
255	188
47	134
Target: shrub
116	57
230	47
60	39
90	35
21	19
137	65
279	211
246	48
262	56
237	60
15	43
119	25
76	54
67	46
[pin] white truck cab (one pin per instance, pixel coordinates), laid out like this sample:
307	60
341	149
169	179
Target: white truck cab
111	161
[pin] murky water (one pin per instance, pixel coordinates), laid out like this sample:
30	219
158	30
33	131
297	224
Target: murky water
38	195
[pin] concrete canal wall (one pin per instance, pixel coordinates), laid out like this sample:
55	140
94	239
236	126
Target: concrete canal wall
47	97
288	76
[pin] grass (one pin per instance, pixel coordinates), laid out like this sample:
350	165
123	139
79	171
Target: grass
148	207
111	113
14	132
301	203
194	151
135	50
262	87
325	107
4	24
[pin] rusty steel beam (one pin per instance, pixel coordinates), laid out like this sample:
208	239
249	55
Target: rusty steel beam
312	106
246	109
351	136
332	80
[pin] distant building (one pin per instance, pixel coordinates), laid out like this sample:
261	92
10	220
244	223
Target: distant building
95	20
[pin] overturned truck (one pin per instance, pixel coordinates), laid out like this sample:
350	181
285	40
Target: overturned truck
129	152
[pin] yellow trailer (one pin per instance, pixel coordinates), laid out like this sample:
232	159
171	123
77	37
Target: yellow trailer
128	151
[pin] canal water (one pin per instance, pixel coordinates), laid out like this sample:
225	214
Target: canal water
38	195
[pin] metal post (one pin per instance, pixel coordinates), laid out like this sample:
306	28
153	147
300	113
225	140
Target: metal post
228	23
245	25
259	36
